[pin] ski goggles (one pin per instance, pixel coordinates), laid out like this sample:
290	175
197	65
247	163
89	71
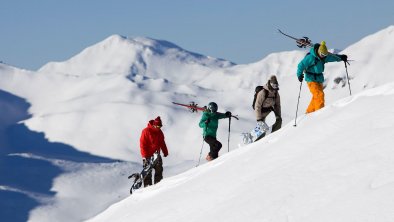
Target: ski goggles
274	85
323	54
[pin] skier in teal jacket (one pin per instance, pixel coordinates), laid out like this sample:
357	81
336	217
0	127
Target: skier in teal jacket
313	67
210	122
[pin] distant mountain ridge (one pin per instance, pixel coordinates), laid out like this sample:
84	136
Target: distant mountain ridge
130	56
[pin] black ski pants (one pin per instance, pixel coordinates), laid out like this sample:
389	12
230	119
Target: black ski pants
158	167
214	146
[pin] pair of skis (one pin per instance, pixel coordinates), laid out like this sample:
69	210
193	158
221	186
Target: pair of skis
193	107
304	42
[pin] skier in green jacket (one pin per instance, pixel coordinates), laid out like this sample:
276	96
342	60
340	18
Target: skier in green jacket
210	122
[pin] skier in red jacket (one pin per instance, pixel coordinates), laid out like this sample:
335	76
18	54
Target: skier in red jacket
151	142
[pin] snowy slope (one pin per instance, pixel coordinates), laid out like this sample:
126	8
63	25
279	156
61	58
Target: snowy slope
337	165
86	113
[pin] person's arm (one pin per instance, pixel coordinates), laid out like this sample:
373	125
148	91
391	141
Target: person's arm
143	143
203	121
259	104
223	115
304	64
163	145
333	58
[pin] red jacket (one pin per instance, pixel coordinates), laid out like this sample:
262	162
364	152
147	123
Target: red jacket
152	139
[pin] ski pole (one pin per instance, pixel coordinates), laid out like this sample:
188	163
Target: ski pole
229	126
202	146
298	102
347	76
228	140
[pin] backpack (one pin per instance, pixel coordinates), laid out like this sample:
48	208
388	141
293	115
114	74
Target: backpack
257	90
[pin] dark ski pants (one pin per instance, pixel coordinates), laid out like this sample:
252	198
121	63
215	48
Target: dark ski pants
214	146
277	125
158	172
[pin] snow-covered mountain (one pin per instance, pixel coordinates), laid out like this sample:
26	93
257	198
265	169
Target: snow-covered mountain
77	118
152	58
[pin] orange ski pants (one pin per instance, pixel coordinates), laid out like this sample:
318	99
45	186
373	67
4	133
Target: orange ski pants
317	101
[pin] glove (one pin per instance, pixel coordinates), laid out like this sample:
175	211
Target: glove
301	77
228	114
343	57
207	121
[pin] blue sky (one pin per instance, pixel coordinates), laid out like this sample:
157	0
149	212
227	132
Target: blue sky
36	32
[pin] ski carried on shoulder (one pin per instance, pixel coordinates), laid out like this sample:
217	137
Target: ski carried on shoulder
138	178
192	106
305	42
301	42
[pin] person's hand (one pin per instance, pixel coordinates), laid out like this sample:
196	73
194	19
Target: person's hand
343	57
301	77
228	114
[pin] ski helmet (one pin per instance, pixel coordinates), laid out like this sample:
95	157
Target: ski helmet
213	107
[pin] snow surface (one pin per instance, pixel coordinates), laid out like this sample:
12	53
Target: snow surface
71	136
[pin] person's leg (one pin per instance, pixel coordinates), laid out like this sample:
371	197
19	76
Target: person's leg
317	101
214	146
148	177
277	125
158	170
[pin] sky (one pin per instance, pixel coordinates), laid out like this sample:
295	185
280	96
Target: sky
34	33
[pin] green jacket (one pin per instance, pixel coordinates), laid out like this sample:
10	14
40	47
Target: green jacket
313	65
211	128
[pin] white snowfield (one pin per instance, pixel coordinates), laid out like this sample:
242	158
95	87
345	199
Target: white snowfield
336	165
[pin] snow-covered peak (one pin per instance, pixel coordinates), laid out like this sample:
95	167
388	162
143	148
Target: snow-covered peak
130	56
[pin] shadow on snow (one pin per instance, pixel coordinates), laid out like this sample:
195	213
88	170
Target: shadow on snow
22	177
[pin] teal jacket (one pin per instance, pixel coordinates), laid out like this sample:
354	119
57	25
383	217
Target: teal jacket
313	65
211	128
